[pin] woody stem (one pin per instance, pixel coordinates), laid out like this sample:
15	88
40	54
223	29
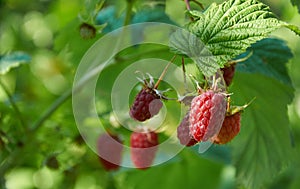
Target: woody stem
164	72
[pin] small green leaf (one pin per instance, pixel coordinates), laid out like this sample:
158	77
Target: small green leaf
185	43
13	60
269	58
230	28
263	146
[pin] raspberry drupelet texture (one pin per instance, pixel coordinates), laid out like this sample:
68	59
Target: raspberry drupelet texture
143	148
207	114
183	132
146	105
230	128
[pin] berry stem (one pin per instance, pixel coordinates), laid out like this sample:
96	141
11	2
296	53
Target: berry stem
187	3
231	62
198	3
184	75
164	72
128	14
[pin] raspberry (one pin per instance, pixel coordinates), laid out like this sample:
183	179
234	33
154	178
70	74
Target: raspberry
228	73
110	151
147	104
206	115
183	132
230	128
143	148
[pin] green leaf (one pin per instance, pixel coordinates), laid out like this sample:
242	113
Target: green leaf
13	60
296	3
190	171
185	43
109	17
269	58
263	146
230	28
217	153
155	14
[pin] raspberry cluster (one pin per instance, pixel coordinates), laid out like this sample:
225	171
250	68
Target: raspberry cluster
210	118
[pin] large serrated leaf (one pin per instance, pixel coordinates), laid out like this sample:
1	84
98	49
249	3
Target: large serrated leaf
230	28
269	57
13	60
263	146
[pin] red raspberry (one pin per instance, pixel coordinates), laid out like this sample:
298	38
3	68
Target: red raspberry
183	132
147	104
230	128
143	148
110	149
206	115
228	73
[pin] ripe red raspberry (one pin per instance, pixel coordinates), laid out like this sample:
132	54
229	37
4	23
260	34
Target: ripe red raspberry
143	148
110	149
146	105
183	132
228	73
230	128
207	114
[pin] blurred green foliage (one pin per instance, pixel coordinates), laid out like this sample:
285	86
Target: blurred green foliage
49	32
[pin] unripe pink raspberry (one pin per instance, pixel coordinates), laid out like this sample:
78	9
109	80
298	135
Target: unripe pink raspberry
207	114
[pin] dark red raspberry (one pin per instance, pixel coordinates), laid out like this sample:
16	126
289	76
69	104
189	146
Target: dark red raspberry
143	148
230	128
183	132
146	105
228	73
110	149
207	114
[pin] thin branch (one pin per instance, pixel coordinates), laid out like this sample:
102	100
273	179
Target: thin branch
54	106
187	3
14	105
198	3
164	72
184	75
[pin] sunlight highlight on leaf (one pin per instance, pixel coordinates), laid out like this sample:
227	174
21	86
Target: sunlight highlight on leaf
7	62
